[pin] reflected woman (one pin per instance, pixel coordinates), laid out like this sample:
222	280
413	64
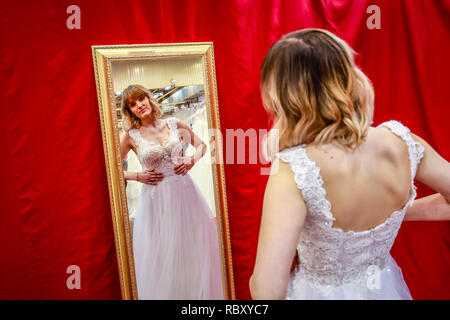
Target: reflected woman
175	242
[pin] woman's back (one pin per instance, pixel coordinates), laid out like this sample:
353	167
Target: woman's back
340	210
365	186
355	203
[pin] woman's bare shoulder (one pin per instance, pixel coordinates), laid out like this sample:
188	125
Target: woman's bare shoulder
125	135
389	145
380	144
127	138
180	124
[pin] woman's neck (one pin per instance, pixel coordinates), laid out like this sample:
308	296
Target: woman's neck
150	121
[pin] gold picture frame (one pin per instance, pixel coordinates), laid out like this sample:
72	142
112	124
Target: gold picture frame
103	57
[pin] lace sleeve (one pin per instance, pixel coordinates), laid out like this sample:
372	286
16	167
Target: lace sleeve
135	136
308	179
172	122
295	157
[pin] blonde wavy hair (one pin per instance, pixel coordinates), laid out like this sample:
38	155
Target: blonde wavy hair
314	91
132	93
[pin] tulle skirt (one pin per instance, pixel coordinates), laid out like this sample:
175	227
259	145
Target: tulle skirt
175	243
381	284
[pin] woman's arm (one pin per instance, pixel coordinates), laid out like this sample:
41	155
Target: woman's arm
125	147
434	171
434	207
200	148
282	220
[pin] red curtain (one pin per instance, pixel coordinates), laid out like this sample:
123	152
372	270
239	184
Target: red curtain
54	196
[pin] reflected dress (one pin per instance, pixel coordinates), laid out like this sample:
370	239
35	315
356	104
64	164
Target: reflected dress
346	265
175	242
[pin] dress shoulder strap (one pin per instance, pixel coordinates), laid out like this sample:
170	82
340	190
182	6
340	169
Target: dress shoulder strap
308	179
172	122
135	135
415	149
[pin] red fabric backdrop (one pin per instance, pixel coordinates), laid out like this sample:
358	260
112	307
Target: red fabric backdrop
54	196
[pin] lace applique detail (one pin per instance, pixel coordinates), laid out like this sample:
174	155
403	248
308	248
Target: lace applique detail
328	255
172	123
309	181
161	157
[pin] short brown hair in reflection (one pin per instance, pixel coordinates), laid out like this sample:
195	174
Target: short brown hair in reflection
132	93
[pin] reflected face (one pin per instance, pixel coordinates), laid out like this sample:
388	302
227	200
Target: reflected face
141	107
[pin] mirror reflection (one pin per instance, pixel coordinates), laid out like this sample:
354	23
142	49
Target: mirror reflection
165	147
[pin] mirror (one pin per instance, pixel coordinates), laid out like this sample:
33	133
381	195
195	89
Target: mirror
164	169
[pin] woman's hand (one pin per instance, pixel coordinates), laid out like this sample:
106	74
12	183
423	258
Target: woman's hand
186	164
149	176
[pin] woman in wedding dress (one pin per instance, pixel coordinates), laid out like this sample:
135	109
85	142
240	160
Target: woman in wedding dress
175	242
339	188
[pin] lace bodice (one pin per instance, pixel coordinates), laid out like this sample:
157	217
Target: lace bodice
328	255
162	157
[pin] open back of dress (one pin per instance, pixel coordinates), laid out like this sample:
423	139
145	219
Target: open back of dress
345	265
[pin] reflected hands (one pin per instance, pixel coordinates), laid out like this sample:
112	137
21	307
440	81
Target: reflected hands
186	164
150	176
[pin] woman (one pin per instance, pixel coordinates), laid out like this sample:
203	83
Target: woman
339	188
175	242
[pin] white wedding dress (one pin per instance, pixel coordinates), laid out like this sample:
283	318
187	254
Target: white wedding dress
175	242
345	265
